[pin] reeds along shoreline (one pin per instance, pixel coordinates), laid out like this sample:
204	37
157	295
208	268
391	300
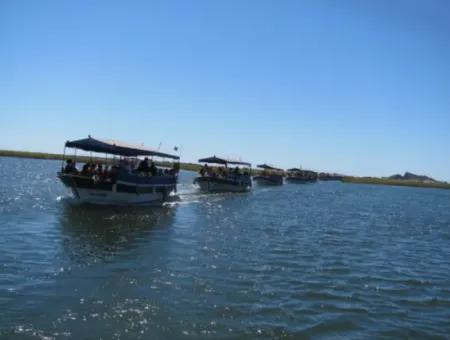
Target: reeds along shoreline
196	167
396	182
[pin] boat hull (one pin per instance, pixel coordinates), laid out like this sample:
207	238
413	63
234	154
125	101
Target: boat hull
268	180
87	190
211	184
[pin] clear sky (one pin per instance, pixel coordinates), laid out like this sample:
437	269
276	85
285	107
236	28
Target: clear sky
358	87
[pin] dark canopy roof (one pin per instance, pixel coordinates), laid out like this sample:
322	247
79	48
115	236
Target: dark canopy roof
115	148
224	161
300	170
268	167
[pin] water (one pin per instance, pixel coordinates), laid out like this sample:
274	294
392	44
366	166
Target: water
320	260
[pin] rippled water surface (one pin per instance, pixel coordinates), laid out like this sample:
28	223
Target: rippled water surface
321	260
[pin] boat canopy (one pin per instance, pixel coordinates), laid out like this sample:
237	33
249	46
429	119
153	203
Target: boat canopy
224	161
115	148
268	167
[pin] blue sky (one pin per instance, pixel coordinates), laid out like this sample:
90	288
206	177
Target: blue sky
358	87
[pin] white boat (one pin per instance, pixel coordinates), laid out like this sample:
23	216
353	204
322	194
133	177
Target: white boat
116	181
222	178
269	176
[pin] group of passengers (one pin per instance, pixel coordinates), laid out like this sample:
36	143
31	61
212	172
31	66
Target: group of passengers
220	172
145	168
105	172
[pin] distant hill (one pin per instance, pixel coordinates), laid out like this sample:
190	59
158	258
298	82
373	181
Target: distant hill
412	177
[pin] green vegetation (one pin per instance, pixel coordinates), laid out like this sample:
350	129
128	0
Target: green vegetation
27	154
398	182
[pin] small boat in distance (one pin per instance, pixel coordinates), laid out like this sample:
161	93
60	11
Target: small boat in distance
223	178
123	180
326	176
269	175
296	175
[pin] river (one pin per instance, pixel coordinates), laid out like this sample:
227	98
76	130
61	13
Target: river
318	260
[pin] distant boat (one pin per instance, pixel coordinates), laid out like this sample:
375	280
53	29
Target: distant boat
118	180
296	175
269	175
223	178
325	176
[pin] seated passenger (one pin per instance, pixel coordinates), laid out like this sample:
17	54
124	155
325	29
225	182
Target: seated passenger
204	170
153	169
70	167
92	168
143	165
85	169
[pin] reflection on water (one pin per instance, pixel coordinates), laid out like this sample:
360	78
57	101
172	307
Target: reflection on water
102	231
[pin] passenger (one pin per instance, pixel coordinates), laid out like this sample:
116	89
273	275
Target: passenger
160	172
104	174
70	167
204	170
236	171
143	165
92	169
153	169
85	169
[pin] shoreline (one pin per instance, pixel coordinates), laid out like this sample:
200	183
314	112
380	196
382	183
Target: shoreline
395	182
196	168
